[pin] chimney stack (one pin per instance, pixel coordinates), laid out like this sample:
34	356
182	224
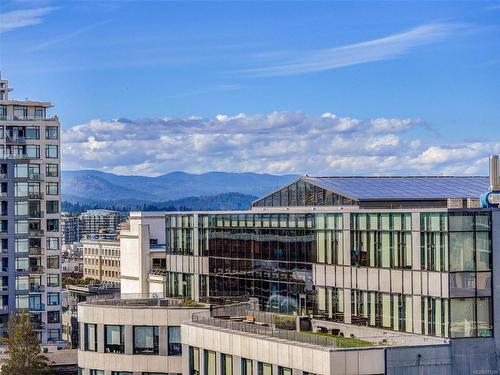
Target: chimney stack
494	173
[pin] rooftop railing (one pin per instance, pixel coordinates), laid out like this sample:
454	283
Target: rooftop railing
29	118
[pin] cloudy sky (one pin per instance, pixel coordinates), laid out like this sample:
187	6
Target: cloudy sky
280	87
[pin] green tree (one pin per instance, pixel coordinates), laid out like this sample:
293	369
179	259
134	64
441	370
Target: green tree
24	352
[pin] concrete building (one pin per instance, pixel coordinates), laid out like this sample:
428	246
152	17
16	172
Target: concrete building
30	276
99	224
72	267
101	260
409	255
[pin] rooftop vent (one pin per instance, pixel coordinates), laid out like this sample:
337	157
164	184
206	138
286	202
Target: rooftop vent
494	173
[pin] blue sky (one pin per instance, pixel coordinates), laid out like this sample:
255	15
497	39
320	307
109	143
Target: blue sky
434	64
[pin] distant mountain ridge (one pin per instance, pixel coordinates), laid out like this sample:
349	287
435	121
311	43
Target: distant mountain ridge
92	187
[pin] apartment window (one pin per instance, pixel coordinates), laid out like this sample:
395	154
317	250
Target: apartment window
21	170
22	283
113	339
53	334
246	366
32	132
52	225
265	368
210	363
227	364
52	243
21	208
21	245
174	340
284	371
3	112
121	373
33	151
53	298
194	361
51	132
22	302
52	170
96	372
20	112
53	317
52	188
53	280
90	337
22	226
52	207
40	112
146	340
51	151
21	189
22	264
53	262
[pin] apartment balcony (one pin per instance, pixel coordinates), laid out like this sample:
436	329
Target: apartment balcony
37	307
35	195
15	156
36	251
4	288
36	270
38	325
35	214
36	288
3	212
15	140
36	232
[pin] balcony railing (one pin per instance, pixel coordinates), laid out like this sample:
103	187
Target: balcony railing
37	288
35	214
37	307
15	156
36	269
36	232
35	195
35	177
27	118
15	140
36	251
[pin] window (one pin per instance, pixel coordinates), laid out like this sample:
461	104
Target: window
121	373
40	112
96	372
53	280
210	364
174	340
52	207
227	364
22	302
52	243
52	225
21	245
52	188
51	132
194	361
53	334
21	208
265	368
22	283
53	262
33	151
53	317
20	112
246	366
22	226
113	339
51	151
52	170
90	337
21	189
32	132
22	264
145	340
21	170
284	371
53	298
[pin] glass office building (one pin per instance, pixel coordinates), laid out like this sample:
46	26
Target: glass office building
409	254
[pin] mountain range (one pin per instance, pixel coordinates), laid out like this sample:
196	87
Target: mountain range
212	190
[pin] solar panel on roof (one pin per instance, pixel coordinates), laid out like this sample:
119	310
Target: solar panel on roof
403	188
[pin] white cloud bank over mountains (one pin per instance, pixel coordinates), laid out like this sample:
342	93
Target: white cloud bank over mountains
279	142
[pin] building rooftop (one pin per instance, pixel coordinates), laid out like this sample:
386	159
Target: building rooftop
404	187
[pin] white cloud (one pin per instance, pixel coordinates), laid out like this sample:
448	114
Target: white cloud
278	142
22	18
389	47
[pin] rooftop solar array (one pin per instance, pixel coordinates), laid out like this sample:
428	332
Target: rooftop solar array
404	188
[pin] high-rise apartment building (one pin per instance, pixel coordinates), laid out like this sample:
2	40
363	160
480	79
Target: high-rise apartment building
70	228
99	224
30	276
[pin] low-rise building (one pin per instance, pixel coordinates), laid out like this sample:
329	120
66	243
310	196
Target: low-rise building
101	260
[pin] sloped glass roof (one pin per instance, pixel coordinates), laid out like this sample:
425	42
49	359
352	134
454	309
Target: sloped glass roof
404	188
